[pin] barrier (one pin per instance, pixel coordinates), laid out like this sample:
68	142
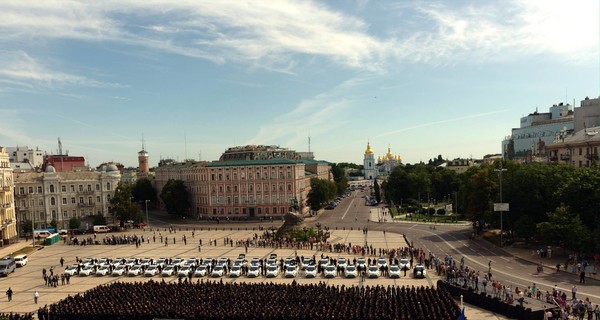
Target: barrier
493	304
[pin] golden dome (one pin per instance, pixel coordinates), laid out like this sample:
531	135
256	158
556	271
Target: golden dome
368	151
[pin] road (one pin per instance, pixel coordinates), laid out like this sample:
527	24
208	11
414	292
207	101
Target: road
453	240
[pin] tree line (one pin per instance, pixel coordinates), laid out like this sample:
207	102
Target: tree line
556	203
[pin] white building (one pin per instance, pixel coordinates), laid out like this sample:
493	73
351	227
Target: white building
8	224
60	196
388	162
22	154
369	170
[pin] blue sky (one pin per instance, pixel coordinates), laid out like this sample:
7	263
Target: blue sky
196	77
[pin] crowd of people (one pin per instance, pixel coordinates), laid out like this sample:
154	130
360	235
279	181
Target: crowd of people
218	300
16	316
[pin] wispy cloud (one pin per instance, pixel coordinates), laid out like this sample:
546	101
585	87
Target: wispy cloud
19	69
279	35
435	123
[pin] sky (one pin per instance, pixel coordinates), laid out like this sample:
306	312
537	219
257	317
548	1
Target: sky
191	78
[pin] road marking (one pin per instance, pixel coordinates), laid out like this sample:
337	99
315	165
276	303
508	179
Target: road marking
348	209
506	273
503	258
509	267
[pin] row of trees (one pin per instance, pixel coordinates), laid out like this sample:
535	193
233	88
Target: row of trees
323	191
558	203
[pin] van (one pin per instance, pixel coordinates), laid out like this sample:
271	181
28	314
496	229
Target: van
101	229
41	234
7	265
21	260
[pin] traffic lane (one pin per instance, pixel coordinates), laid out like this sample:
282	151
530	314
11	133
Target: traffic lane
504	266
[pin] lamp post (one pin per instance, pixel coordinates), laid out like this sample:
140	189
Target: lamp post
147	219
500	171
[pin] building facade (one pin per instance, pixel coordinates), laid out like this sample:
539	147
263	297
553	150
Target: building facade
387	163
46	196
370	169
536	131
22	154
8	222
237	188
579	149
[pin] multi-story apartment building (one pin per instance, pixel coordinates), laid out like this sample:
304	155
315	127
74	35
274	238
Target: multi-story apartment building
244	185
8	224
45	196
22	154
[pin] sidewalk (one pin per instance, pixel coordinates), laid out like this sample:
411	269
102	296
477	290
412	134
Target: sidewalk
529	255
8	250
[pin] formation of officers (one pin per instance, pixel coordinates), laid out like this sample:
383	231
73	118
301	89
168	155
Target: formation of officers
218	300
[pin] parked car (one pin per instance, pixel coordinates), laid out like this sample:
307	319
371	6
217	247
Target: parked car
235	271
151	271
21	260
404	263
330	271
253	271
119	270
419	272
310	271
394	271
72	270
373	272
184	271
103	270
168	271
272	271
350	272
87	271
291	271
201	271
136	270
217	272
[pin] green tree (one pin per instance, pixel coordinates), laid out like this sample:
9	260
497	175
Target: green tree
143	190
566	229
479	190
176	197
377	191
74	223
525	227
321	192
27	226
122	206
53	223
339	176
99	220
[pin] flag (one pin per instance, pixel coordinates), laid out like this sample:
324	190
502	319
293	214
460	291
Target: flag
462	314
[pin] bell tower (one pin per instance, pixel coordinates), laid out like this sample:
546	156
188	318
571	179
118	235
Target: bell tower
369	163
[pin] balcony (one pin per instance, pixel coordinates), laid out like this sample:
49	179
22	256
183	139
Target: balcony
83	205
85	191
591	156
565	157
5	188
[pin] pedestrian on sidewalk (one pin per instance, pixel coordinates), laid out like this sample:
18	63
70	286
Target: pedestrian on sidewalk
9	294
36	296
62	262
574	292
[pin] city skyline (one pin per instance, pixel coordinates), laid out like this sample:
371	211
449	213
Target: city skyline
194	78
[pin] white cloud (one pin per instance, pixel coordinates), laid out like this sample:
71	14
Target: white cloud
18	69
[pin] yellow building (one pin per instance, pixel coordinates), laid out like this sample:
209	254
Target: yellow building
8	224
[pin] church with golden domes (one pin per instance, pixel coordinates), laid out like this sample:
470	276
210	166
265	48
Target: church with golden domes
383	166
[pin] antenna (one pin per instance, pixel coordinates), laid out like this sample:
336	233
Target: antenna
309	144
143	142
200	155
59	146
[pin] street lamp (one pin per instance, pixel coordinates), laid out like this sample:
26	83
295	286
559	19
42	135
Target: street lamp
500	171
147	219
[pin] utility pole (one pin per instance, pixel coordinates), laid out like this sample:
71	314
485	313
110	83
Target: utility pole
500	171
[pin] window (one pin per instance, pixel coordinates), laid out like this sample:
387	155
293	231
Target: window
108	186
212	177
97	187
108	198
63	188
41	202
259	210
39	189
64	201
289	187
89	187
220	177
72	200
97	199
72	188
52	201
51	188
65	214
21	190
80	200
80	188
235	188
53	214
30	189
90	200
74	213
